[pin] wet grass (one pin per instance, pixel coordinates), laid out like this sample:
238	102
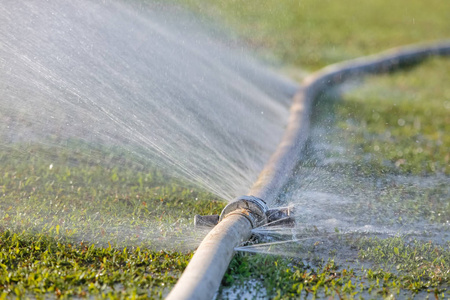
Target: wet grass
400	125
85	222
394	125
407	264
393	132
39	266
385	268
403	119
101	224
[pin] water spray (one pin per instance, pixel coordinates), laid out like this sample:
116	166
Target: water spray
203	275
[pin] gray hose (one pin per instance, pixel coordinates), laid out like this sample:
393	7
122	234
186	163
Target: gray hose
281	164
203	275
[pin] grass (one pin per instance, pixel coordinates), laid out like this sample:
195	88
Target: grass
392	128
399	123
38	265
42	190
132	239
388	267
403	119
394	125
311	34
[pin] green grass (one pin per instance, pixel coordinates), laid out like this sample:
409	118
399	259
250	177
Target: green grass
38	265
394	125
403	119
48	187
93	223
388	267
364	118
132	240
311	34
400	125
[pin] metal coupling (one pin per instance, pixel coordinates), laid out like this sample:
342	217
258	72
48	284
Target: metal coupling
253	208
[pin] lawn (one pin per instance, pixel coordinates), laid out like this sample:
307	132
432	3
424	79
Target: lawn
391	126
93	222
135	236
386	147
311	34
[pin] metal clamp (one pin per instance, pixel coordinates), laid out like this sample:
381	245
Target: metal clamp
254	209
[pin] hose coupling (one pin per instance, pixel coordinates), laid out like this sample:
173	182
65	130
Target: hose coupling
254	209
251	207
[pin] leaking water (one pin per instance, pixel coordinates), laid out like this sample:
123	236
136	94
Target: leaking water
111	84
142	77
147	80
342	213
335	203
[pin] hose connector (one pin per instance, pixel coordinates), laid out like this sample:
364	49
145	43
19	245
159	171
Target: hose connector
251	207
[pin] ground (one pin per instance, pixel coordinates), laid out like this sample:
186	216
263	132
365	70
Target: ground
398	124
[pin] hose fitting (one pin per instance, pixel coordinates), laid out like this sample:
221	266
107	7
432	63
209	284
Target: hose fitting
253	208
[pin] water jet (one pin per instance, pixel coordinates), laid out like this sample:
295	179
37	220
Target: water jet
146	78
37	67
202	277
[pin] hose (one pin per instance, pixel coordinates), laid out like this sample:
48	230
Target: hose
201	278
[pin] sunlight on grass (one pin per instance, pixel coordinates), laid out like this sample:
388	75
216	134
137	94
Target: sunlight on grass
403	119
98	223
311	34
